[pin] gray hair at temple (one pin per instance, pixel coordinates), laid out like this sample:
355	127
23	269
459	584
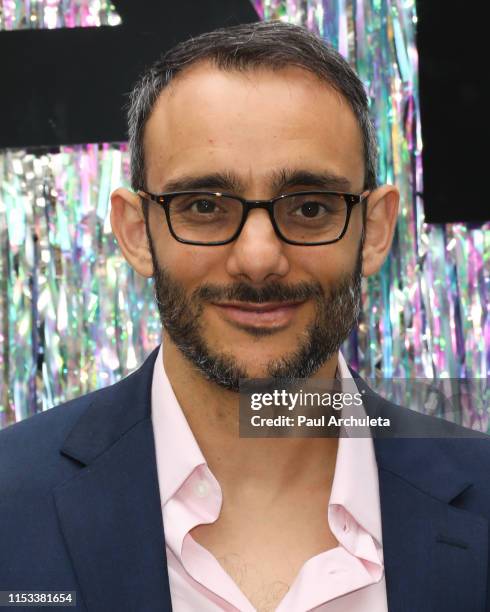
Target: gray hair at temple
270	44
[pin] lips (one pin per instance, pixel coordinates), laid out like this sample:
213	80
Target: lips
272	314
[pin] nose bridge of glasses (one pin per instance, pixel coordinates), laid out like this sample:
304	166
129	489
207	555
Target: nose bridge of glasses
265	204
249	205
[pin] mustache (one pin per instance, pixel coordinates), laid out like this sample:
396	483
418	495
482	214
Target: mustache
272	292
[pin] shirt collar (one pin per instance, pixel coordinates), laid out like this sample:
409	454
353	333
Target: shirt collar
355	485
176	447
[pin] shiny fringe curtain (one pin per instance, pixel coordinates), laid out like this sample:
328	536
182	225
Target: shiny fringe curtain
73	315
51	14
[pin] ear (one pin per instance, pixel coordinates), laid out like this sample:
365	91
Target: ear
381	218
128	225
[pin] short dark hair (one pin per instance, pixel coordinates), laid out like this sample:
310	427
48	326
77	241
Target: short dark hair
270	44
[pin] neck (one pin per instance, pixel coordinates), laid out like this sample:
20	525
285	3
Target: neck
268	464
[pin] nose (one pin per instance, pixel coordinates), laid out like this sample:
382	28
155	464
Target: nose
258	252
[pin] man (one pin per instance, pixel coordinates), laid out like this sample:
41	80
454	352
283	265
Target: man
255	209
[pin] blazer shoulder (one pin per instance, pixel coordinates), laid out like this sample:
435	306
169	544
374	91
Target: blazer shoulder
29	449
433	446
46	424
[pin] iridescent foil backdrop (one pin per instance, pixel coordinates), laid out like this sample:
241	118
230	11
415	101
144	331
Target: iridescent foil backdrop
50	14
73	315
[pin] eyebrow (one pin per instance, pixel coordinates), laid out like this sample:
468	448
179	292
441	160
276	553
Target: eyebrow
279	180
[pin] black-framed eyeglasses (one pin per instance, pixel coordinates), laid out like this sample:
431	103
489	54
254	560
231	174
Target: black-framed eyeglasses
306	218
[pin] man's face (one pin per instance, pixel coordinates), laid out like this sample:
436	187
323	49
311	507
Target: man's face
254	127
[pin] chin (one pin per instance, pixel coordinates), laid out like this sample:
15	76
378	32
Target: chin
257	363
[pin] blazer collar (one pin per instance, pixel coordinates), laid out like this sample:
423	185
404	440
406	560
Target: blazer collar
110	512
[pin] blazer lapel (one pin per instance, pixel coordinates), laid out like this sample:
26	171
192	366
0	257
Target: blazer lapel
110	511
435	551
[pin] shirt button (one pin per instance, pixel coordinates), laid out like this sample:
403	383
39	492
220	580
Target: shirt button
201	488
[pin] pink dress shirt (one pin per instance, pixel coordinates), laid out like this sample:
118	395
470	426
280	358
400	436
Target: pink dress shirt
347	578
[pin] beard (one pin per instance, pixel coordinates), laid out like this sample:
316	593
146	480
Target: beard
336	314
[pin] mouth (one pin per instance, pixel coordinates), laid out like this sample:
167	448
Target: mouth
270	314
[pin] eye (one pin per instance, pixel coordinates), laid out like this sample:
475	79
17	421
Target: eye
311	209
203	206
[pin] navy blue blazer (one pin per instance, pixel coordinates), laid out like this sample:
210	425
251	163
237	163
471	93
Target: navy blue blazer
80	506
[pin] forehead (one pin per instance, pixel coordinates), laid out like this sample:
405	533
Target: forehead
250	123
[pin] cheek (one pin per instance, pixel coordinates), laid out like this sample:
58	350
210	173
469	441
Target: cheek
189	265
329	263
